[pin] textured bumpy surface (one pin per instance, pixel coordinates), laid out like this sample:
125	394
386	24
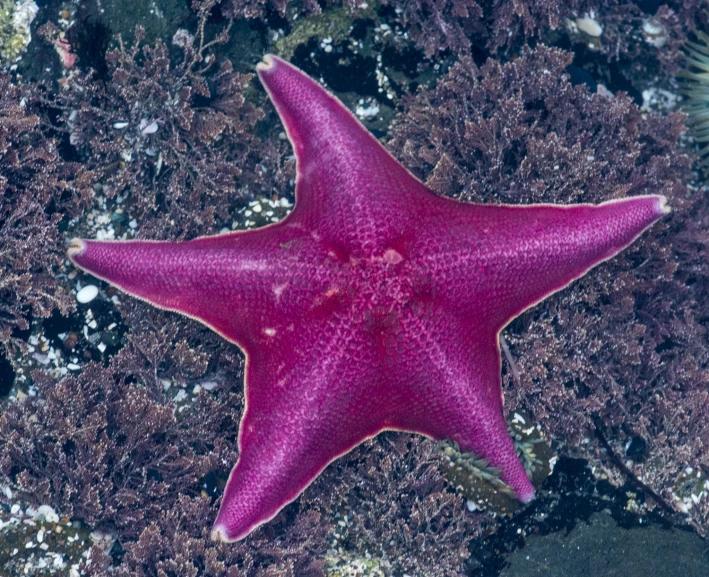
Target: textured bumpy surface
375	304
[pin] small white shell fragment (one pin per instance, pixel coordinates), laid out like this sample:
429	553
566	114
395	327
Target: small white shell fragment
654	33
49	514
41	359
87	294
120	125
652	27
103	540
589	25
148	127
101	347
208	385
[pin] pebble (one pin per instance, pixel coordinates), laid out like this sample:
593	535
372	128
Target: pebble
87	294
208	385
589	25
148	128
70	341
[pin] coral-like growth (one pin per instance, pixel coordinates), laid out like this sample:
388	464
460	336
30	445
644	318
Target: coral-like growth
173	137
623	348
522	133
437	25
176	543
36	190
393	505
108	451
522	20
645	37
259	8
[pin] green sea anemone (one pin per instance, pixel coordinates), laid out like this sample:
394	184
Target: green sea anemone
474	479
696	90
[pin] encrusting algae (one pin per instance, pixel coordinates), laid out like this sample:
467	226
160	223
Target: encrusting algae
15	35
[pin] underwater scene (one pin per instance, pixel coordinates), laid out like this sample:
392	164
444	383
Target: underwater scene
354	288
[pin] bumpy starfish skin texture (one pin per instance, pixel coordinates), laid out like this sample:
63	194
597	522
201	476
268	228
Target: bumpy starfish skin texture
376	304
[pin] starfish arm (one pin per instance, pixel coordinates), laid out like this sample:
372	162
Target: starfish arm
515	256
348	185
243	285
449	387
307	403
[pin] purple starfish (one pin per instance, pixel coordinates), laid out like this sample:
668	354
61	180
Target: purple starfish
376	304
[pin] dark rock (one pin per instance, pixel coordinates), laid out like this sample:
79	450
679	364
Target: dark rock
601	547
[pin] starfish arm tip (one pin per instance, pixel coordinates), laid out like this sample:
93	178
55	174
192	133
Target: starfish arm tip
662	205
267	63
220	534
527	496
77	247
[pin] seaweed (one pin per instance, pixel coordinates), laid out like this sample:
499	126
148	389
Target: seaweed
171	136
38	190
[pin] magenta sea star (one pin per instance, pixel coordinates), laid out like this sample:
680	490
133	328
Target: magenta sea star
376	304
